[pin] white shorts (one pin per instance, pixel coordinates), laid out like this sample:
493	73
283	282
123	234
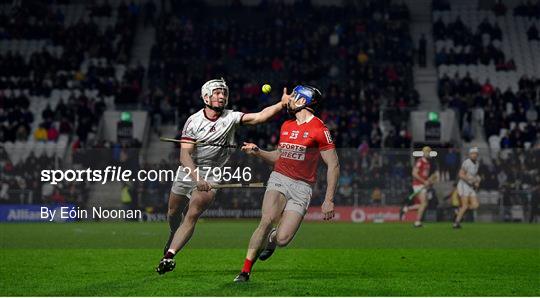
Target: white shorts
297	193
419	187
184	186
465	190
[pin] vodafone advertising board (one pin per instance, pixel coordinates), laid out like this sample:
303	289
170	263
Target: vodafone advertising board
362	214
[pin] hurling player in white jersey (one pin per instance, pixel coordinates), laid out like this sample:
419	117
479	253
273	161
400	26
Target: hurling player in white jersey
212	124
469	181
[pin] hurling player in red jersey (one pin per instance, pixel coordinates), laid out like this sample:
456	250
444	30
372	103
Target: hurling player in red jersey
421	182
303	141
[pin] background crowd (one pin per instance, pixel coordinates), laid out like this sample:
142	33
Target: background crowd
360	55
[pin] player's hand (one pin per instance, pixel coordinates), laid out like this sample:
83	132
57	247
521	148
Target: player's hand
203	185
328	209
285	98
250	148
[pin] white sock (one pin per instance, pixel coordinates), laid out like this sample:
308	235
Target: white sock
272	236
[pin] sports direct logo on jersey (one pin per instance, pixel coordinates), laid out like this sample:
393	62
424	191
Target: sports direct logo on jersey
292	151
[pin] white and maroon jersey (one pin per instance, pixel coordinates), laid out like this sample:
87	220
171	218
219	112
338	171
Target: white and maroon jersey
470	167
423	166
200	128
300	146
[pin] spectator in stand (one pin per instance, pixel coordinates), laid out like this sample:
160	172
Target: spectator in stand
149	13
528	8
440	5
422	46
532	33
52	134
487	88
40	134
499	9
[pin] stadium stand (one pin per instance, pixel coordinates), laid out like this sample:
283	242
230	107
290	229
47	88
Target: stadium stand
491	72
62	65
488	69
342	53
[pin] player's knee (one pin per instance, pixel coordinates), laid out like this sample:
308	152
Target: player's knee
283	239
192	216
464	206
173	212
473	206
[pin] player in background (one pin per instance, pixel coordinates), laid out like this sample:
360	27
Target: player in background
212	124
469	181
421	182
303	141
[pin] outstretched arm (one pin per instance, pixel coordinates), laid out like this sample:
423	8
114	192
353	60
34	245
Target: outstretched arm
266	113
332	176
269	157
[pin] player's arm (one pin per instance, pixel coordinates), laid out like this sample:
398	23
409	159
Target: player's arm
269	157
186	149
266	113
434	178
477	181
331	160
463	176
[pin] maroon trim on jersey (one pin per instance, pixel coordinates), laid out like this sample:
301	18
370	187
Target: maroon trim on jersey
187	139
206	116
242	119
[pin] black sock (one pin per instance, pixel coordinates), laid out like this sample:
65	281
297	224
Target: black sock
168	244
174	223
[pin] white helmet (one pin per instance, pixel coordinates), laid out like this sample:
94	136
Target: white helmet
209	87
473	150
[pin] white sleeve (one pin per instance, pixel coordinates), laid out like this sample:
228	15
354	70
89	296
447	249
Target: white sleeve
237	117
466	166
188	132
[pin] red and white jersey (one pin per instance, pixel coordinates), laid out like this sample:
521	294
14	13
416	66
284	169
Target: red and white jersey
300	146
423	166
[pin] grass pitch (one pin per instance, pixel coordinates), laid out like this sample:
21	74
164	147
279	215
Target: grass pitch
325	259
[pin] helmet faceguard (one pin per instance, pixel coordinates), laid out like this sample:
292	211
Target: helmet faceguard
310	94
208	89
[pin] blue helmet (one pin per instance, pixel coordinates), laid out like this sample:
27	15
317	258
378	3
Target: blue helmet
311	94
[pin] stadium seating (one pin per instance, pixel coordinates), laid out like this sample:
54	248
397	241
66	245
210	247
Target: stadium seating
71	54
504	101
341	54
514	45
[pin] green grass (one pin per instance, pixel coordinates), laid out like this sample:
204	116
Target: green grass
114	259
